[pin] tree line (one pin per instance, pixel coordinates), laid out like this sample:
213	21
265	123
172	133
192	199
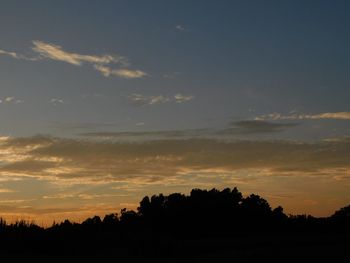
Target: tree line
161	219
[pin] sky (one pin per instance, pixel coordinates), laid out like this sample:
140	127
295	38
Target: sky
104	102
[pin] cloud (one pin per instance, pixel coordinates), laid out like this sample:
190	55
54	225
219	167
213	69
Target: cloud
11	54
105	71
18	56
55	52
179	28
84	196
85	161
338	139
56	101
128	74
179	98
11	100
326	116
71	166
142	100
123	73
257	126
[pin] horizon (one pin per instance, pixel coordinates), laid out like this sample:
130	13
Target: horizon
104	103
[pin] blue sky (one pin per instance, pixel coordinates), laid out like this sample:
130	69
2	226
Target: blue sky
115	72
237	59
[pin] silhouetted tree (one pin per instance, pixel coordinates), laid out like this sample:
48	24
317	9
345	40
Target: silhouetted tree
94	221
145	207
164	218
342	214
110	220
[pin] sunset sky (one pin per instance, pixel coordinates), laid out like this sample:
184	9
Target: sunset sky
104	102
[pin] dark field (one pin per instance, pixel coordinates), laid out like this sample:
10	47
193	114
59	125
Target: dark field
294	248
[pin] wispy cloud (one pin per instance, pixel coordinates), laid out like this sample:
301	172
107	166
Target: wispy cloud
11	54
55	52
344	115
179	98
123	73
79	195
180	28
56	101
128	74
11	100
105	71
141	100
18	56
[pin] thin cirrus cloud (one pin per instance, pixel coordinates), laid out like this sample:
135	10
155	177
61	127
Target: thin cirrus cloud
179	98
11	54
123	73
105	64
17	56
11	100
180	28
344	115
142	100
55	52
56	101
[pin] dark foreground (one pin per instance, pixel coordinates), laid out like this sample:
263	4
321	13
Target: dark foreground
277	248
207	226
